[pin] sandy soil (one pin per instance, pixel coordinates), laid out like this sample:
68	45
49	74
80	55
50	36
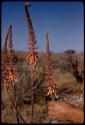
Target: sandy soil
64	111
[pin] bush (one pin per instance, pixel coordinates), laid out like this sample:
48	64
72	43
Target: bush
68	84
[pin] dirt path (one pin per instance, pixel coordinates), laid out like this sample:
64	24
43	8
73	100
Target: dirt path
64	111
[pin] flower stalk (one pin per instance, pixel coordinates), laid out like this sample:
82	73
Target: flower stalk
49	72
8	71
33	54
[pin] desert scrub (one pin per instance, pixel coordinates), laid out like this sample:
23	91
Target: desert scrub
67	83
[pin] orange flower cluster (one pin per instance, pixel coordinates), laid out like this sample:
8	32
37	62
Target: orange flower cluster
49	71
8	71
33	59
9	75
51	88
33	54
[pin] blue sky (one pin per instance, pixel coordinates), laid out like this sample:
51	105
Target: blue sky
64	21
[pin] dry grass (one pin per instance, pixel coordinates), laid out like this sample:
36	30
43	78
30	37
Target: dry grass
68	83
27	75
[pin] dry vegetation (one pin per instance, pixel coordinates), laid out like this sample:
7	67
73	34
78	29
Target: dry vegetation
40	87
67	87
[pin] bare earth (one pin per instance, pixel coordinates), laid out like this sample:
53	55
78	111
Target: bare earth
68	110
63	111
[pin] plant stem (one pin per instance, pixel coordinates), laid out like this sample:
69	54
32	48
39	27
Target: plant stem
15	106
32	96
17	117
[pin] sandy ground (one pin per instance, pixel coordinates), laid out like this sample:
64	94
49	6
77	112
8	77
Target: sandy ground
68	109
64	111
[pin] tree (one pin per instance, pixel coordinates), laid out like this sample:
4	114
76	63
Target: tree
70	51
73	67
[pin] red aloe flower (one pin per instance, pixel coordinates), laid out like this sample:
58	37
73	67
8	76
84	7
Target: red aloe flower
33	54
49	71
8	70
